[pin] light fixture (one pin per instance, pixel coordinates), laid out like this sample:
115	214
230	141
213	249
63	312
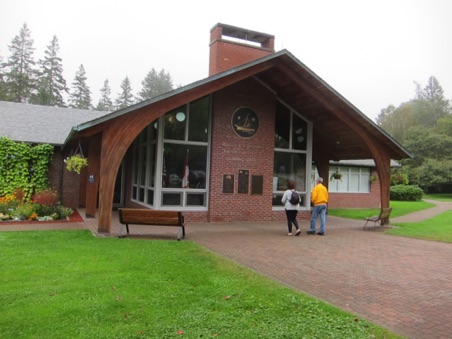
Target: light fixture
180	116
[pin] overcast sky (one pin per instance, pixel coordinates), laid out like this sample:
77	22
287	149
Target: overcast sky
371	52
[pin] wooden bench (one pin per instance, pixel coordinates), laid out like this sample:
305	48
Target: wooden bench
380	219
134	216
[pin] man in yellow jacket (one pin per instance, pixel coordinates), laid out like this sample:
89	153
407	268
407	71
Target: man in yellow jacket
319	200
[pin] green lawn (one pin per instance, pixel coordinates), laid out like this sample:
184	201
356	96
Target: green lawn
70	284
438	228
398	208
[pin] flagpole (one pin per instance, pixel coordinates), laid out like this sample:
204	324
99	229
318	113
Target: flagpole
185	181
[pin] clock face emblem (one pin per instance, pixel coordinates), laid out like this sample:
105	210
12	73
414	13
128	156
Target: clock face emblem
245	122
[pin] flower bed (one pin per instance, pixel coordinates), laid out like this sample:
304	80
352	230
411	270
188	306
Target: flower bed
42	207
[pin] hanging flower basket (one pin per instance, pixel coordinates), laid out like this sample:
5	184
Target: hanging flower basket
76	163
336	176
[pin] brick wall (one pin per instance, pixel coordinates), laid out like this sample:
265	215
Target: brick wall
231	153
66	183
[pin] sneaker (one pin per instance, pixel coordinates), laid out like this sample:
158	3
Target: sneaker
297	233
310	232
289	234
320	233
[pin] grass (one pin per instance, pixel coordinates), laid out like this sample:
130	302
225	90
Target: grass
438	228
439	196
399	208
69	284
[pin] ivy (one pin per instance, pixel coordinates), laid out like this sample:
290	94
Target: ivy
23	166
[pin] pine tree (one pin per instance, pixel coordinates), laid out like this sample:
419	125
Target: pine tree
20	74
155	84
3	88
125	98
430	103
80	97
51	83
105	103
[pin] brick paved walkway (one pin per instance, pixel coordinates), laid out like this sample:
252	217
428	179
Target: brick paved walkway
402	284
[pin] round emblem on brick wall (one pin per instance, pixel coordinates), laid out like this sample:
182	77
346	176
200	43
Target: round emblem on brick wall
245	122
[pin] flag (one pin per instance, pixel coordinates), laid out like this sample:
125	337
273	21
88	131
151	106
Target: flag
185	182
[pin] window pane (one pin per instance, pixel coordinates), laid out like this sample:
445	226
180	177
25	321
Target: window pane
175	156
142	160
172	199
282	126
290	166
153	159
141	194
175	121
354	183
299	134
150	200
198	120
196	199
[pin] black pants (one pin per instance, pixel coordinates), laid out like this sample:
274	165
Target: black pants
292	219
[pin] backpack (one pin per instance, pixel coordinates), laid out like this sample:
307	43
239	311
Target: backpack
295	198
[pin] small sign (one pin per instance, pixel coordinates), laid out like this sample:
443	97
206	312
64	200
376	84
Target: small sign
257	184
244	177
228	183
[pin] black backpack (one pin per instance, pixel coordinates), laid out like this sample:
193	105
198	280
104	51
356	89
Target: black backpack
295	198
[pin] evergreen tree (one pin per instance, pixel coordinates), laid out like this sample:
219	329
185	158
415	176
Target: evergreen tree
125	98
20	74
155	84
3	88
80	97
51	83
105	103
431	104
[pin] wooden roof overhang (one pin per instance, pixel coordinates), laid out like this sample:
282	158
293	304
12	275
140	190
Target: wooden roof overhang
340	130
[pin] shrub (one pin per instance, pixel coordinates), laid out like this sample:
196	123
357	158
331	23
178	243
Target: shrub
8	203
63	212
406	193
27	211
46	198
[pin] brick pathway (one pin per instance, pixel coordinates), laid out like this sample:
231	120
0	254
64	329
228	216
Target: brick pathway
402	284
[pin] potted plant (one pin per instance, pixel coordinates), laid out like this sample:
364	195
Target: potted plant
336	176
76	163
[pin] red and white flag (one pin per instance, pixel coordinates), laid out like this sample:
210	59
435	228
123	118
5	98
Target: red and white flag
185	182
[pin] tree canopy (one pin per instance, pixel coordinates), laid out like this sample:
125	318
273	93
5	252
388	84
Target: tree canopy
423	126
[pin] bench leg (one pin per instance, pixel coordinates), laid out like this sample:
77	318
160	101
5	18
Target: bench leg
120	230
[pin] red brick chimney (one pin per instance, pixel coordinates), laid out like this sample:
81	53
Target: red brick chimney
242	46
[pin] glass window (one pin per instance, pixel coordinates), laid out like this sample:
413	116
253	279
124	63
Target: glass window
176	157
289	166
199	120
300	133
354	179
175	122
183	145
282	126
291	143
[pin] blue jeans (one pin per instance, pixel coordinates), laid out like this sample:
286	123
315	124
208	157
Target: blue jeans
320	209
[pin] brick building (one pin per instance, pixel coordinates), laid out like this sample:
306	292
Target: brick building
223	148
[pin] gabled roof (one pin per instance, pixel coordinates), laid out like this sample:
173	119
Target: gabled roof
41	124
339	127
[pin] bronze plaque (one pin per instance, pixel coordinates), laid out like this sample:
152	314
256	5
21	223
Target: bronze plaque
244	178
257	184
228	183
